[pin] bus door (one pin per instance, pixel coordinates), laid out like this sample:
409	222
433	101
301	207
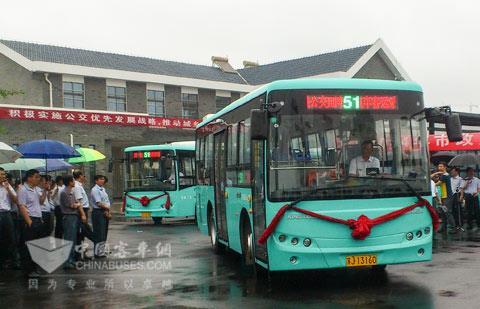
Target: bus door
220	154
258	196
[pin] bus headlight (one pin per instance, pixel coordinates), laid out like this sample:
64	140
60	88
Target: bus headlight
282	238
427	230
409	236
294	241
307	242
419	233
293	259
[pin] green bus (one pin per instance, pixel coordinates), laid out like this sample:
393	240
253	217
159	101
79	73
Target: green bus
159	181
319	173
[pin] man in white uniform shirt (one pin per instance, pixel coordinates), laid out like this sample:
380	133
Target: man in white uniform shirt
100	215
43	192
453	203
470	189
82	197
7	231
360	164
56	191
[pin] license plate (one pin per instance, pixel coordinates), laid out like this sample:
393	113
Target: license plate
361	260
146	215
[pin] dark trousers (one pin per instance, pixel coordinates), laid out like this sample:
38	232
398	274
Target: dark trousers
457	210
70	232
30	233
100	227
7	237
58	222
85	229
47	223
473	212
18	228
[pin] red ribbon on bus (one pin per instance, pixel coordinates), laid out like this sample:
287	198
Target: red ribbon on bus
361	227
144	200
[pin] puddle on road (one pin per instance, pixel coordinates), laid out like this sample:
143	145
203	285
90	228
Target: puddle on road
447	293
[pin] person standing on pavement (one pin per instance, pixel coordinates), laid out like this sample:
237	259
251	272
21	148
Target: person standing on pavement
443	181
471	189
8	197
457	184
44	192
56	191
30	209
17	224
100	215
82	198
72	215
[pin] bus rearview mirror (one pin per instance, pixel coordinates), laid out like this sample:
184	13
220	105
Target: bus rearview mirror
258	124
453	127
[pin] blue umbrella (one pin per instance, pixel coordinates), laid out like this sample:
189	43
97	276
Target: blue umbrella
55	165
47	149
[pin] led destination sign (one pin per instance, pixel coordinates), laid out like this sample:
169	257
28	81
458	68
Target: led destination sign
352	102
146	154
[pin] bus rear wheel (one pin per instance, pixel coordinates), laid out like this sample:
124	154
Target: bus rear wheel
157	220
216	246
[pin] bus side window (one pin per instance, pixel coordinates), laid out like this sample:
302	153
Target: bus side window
200	167
232	154
244	176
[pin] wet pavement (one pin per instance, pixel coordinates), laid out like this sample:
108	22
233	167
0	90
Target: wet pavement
180	270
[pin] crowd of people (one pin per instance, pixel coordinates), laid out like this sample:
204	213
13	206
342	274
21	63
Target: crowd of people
456	198
38	206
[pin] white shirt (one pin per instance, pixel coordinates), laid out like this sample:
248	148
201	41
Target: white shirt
98	194
472	185
80	194
358	166
46	204
5	201
433	187
456	184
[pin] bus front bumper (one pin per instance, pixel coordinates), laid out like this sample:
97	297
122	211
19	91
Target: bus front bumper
284	256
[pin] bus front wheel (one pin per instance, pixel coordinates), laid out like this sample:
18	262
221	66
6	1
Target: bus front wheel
157	220
248	260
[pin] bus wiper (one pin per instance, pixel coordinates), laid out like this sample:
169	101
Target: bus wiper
315	190
402	180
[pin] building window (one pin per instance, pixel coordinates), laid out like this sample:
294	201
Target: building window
156	103
221	102
73	95
116	99
189	105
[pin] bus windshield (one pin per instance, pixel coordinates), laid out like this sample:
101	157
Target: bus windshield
150	170
346	154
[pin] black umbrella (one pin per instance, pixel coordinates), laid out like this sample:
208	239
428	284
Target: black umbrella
465	159
442	156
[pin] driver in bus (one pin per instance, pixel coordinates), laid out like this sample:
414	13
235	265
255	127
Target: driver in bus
360	164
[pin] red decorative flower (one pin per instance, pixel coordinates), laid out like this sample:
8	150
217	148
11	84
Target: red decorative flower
361	227
144	201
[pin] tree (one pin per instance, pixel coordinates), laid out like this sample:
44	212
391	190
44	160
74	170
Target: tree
5	93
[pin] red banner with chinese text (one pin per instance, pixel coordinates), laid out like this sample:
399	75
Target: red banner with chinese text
95	117
439	142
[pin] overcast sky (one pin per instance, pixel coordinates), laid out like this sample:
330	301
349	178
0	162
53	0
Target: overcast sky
437	42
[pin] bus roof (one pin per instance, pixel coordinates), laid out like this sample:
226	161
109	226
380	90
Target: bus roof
317	83
189	145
